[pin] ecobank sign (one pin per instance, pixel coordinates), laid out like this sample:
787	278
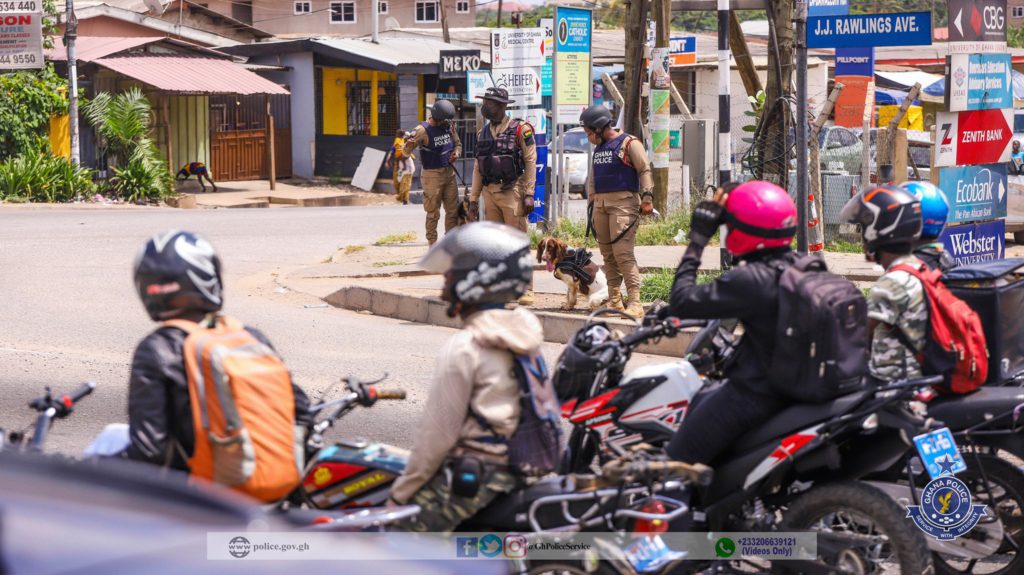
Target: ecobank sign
975	192
973	243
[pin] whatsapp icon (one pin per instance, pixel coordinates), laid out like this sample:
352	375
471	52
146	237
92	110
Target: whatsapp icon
725	547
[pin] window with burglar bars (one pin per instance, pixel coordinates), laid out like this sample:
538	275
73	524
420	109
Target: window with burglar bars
387	108
359	108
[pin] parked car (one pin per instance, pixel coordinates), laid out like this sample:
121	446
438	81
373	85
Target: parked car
577	148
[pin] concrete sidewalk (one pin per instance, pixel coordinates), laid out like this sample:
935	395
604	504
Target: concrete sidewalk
257	194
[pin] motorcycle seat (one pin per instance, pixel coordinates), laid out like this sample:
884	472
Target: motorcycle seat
508	512
797	418
959	412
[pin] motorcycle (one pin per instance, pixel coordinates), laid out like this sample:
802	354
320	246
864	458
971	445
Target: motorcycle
49	409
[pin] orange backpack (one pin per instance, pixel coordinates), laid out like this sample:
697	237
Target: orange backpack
243	411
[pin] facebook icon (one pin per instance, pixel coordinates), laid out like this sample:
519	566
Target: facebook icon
466	546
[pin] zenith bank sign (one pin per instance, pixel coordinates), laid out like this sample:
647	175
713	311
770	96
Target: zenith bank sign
972	138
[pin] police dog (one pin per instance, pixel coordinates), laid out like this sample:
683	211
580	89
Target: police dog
575	268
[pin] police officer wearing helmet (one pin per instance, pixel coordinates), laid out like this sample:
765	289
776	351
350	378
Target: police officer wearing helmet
506	168
620	189
459	463
440	148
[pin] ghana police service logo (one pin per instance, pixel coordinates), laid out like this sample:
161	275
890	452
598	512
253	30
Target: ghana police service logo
946	511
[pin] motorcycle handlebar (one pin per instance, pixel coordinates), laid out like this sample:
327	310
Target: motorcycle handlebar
82	391
390	393
63	403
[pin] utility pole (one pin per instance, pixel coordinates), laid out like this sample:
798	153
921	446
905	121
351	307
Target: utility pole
70	33
444	22
635	26
663	23
375	27
724	102
800	125
499	13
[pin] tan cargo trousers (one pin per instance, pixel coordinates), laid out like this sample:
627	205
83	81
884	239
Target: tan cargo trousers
504	208
439	189
614	212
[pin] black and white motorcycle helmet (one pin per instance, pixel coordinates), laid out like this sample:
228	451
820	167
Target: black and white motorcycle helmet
887	216
178	272
490	263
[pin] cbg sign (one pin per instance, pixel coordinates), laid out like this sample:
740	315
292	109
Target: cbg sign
977	26
974	192
973	243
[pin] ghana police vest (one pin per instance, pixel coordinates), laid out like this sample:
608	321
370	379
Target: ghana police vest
611	174
439	147
500	159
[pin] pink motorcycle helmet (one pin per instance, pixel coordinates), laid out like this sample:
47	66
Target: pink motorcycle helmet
759	216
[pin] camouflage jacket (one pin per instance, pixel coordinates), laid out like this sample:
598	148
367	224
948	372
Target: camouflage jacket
897	301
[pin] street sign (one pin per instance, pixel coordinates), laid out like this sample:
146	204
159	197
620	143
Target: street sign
817	8
974	192
572	62
455	63
977	26
855	62
517	47
523	84
865	30
972	138
683	50
21	39
477	82
973	243
978	82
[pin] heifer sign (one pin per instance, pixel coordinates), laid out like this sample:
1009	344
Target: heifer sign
971	138
974	192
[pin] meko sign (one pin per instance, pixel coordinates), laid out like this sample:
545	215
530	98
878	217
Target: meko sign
974	192
972	138
978	82
973	243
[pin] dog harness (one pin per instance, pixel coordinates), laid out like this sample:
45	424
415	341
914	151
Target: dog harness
575	263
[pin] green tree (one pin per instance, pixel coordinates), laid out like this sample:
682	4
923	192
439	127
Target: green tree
27	101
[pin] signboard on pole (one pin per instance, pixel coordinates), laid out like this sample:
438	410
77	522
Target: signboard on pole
572	62
548	24
517	47
973	243
978	82
477	82
817	8
660	107
855	70
683	50
455	63
977	26
866	30
523	84
974	192
972	138
21	38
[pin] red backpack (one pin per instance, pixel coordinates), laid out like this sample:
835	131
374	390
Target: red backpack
955	346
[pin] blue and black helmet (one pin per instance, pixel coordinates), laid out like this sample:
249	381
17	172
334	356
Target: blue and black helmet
934	207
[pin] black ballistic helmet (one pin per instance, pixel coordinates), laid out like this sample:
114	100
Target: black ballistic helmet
490	263
887	216
596	118
178	272
442	111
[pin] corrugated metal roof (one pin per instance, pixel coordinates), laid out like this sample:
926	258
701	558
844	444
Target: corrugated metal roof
90	48
183	75
391	51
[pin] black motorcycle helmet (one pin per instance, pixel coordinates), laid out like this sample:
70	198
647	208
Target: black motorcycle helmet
178	272
442	111
596	118
488	263
887	215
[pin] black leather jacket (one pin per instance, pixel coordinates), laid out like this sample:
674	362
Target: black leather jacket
935	256
748	292
159	412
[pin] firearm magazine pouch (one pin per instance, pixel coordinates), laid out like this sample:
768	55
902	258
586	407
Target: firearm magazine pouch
467	476
995	291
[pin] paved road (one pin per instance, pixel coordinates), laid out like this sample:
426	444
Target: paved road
70	314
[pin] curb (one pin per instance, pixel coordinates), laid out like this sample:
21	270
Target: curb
558	327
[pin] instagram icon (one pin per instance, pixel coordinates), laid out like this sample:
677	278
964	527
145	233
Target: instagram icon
515	546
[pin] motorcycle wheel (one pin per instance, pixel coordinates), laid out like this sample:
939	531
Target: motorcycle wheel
1007	499
857	509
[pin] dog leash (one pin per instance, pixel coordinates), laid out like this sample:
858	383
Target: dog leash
591	230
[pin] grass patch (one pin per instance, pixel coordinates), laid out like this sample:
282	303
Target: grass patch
395	239
349	250
658	285
388	264
650	233
844	247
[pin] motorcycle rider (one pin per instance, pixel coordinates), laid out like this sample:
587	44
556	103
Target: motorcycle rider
505	171
761	220
177	276
890	219
620	190
934	211
474	399
441	147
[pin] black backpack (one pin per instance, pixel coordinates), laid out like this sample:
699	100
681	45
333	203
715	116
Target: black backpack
535	447
821	349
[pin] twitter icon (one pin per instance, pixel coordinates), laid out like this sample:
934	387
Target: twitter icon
490	545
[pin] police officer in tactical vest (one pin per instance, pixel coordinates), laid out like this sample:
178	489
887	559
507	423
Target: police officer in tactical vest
620	189
440	148
506	168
